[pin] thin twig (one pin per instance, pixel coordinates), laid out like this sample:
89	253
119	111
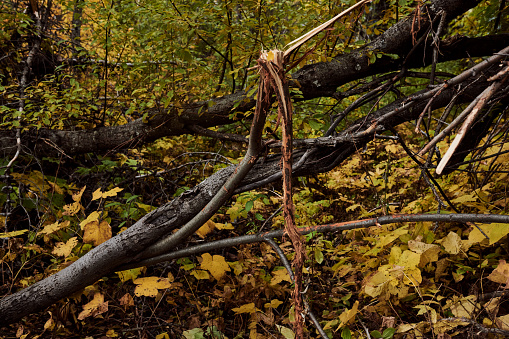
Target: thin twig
288	267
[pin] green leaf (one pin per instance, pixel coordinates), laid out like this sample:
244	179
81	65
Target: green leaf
388	333
249	205
346	334
315	124
376	334
286	332
318	256
195	333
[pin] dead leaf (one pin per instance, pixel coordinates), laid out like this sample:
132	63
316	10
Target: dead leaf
94	216
72	209
280	275
52	228
216	265
501	274
149	286
503	322
348	315
94	308
96	233
246	308
98	194
206	229
77	197
452	243
126	300
64	249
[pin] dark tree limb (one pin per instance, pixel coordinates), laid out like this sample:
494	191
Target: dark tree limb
334	227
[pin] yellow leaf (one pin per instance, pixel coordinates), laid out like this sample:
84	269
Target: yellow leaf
163	336
274	303
503	322
406	327
206	229
34	180
64	249
464	307
280	275
452	243
226	226
96	233
111	333
145	207
286	332
270	56
429	252
348	315
50	324
52	228
392	148
378	283
409	259
12	234
97	194
390	237
352	207
426	309
200	274
94	216
94	308
494	231
216	265
444	326
112	193
149	286
77	197
500	274
246	308
465	198
57	189
410	275
72	209
131	274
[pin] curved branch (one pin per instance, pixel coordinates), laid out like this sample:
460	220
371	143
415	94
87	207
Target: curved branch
335	227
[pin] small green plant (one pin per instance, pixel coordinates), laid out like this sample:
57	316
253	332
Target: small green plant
387	333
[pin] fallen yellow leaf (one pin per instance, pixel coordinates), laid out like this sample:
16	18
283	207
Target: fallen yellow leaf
216	265
96	232
149	286
95	307
501	274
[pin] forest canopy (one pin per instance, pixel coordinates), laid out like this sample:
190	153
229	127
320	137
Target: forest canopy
197	169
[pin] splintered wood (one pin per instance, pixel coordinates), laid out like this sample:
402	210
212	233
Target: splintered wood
273	82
